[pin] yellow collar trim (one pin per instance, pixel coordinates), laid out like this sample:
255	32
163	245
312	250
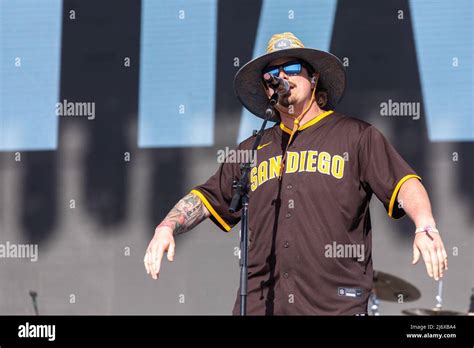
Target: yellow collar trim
308	124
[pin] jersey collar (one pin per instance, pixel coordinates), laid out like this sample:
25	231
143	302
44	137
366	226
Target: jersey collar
308	124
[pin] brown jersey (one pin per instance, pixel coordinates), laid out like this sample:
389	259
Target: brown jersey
310	232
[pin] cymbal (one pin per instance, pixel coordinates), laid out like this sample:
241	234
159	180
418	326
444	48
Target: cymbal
427	311
387	287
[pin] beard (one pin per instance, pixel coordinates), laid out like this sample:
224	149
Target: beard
286	101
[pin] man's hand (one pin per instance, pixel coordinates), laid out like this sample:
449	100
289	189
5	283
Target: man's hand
185	215
162	241
431	247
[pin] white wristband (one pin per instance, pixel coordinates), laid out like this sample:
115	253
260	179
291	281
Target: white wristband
426	229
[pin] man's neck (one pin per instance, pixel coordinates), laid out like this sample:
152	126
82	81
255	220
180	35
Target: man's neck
313	112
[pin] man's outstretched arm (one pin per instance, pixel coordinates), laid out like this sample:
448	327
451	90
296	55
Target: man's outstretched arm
414	200
185	215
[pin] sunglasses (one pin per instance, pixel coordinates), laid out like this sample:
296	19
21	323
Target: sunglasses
290	68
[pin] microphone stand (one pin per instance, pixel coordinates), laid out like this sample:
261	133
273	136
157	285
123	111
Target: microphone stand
33	295
241	199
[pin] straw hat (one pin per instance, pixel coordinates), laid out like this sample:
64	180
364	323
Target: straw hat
248	85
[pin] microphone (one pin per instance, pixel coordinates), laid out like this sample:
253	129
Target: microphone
279	85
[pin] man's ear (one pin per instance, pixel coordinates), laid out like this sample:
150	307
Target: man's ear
322	99
313	81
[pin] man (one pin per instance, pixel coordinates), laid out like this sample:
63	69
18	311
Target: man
309	193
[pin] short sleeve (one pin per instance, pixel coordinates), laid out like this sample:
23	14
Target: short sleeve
383	169
216	194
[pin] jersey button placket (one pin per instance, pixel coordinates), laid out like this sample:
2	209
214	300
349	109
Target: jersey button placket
290	201
289	189
286	226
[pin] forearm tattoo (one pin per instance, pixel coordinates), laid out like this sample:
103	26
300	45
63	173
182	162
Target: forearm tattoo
186	214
